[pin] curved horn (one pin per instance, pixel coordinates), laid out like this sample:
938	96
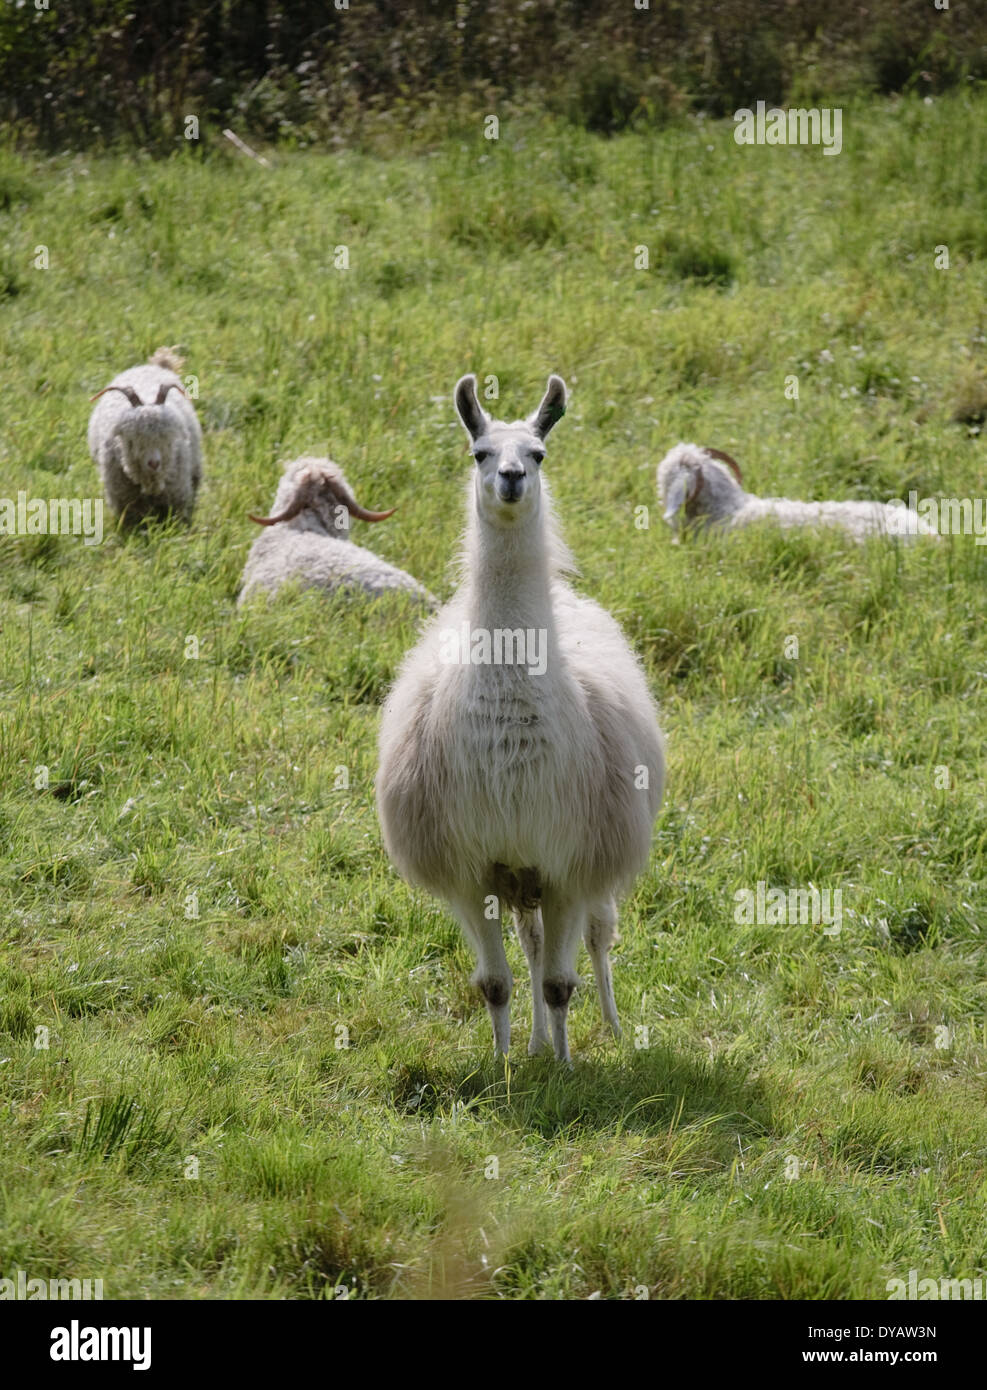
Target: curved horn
163	390
303	499
353	506
298	505
732	464
127	391
362	514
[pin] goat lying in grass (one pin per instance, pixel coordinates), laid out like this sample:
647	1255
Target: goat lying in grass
703	487
307	539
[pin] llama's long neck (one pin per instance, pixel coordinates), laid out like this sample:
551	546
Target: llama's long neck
508	581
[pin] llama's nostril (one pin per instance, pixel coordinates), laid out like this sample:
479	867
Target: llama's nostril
509	486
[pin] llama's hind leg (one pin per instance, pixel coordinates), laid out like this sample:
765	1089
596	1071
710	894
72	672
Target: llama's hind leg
492	974
600	935
532	937
564	922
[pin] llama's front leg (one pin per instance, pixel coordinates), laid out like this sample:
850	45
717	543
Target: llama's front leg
492	974
532	937
601	933
564	922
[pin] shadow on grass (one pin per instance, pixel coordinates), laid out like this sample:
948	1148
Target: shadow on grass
644	1093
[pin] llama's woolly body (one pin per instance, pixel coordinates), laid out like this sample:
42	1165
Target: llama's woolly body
698	489
313	548
494	765
149	455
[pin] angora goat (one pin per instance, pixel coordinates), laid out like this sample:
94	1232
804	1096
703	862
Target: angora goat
309	541
521	763
703	487
145	440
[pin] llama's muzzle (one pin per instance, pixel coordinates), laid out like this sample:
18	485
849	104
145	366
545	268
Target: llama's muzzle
510	485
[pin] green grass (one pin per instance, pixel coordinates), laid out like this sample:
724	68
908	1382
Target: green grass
309	1044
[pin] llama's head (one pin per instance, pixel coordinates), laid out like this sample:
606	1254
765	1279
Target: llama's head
698	485
508	456
147	436
314	494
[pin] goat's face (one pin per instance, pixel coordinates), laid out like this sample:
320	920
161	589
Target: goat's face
146	438
508	456
696	485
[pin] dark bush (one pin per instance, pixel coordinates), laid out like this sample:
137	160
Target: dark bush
103	71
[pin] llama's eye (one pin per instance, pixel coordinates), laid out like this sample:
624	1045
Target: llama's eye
538	455
481	454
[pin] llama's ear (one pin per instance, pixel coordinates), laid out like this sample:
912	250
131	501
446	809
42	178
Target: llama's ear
468	407
552	408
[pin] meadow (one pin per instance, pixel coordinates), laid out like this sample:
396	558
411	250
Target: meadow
239	1058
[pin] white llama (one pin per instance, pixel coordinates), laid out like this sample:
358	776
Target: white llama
521	763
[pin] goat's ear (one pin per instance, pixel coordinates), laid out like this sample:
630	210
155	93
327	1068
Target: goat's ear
675	498
552	407
685	487
468	407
